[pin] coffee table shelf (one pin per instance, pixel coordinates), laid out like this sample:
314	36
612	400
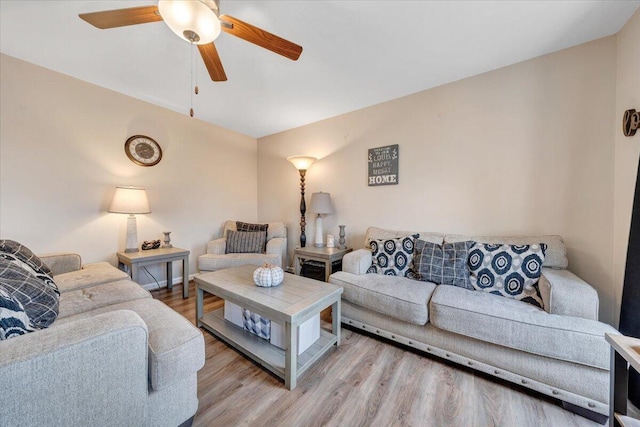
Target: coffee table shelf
266	354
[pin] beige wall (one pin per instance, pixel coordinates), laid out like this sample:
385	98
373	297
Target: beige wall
62	154
627	149
526	149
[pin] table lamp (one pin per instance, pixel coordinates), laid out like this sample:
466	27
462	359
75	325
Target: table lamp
130	200
320	204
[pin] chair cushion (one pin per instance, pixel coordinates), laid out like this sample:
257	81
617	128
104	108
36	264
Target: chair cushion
398	297
514	324
444	264
213	262
176	347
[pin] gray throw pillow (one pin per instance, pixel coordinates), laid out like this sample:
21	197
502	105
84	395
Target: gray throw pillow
444	264
246	241
25	255
38	297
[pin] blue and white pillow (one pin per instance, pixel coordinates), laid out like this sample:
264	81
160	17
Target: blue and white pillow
13	319
256	324
511	271
393	257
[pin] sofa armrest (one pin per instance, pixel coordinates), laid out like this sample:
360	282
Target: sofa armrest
278	246
357	262
217	247
62	262
566	294
87	371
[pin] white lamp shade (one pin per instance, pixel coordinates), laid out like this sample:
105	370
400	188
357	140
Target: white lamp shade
321	203
184	16
130	200
302	163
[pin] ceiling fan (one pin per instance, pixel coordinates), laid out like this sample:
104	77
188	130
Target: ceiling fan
198	22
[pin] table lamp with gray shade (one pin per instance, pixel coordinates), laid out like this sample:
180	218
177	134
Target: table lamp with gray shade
320	204
302	163
132	201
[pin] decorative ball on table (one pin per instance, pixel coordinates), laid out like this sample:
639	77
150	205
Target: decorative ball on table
268	275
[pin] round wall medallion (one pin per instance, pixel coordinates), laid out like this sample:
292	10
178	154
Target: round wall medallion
143	151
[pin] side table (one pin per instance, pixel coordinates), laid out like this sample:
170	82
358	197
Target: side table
625	352
135	260
324	254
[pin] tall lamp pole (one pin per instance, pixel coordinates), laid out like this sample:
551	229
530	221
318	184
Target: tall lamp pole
302	163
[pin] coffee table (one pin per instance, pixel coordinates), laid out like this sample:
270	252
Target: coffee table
292	303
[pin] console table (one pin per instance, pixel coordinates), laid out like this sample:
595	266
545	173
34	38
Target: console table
135	260
625	351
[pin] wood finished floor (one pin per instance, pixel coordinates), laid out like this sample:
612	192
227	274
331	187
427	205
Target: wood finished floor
364	382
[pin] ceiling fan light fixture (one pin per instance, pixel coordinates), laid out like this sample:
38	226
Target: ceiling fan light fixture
191	20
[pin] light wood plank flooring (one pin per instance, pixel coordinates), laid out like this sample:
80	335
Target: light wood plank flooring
365	382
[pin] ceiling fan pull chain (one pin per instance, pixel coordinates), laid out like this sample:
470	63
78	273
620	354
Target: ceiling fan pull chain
191	85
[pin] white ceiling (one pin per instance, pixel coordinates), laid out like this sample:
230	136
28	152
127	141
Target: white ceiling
356	53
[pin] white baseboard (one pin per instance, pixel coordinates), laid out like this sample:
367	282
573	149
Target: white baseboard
163	283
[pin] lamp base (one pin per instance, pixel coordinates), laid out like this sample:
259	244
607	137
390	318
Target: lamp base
132	235
319	243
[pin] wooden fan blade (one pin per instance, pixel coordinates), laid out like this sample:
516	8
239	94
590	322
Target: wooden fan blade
260	37
122	17
211	59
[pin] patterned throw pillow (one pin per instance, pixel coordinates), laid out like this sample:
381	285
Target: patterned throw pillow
510	271
444	264
38	297
393	257
246	226
246	241
13	319
25	255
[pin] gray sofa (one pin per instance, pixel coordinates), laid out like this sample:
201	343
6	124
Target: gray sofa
114	356
559	351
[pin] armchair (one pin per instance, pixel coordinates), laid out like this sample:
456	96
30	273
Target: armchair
216	257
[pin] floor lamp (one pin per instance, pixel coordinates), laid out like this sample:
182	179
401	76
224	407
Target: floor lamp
302	163
130	200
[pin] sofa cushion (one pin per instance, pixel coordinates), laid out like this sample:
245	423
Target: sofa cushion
176	347
520	326
212	262
398	297
511	271
13	319
393	257
555	256
38	294
246	241
89	275
91	298
444	264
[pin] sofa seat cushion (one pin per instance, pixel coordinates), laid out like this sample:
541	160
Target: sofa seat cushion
212	262
521	326
398	297
90	275
176	347
88	299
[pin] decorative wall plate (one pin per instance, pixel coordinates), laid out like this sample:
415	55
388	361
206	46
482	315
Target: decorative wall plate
143	150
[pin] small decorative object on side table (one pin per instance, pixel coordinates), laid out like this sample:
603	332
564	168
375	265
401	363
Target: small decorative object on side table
136	260
167	239
324	255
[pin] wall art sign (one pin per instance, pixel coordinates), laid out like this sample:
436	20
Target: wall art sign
383	165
